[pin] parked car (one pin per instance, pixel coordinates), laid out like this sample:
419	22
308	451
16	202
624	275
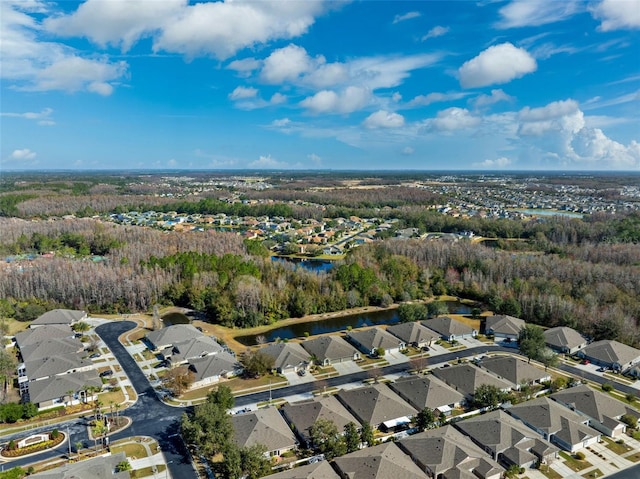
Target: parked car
302	372
94	355
108	372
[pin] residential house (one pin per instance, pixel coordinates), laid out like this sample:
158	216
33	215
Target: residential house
63	389
515	370
378	405
317	470
211	368
445	452
332	250
564	340
51	347
555	423
450	329
326	350
611	354
59	316
466	378
264	426
370	340
378	462
167	337
603	411
428	392
101	467
504	327
42	333
303	414
197	347
288	357
413	334
507	440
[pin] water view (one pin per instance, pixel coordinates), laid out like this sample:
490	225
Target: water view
540	212
317	265
330	325
175	318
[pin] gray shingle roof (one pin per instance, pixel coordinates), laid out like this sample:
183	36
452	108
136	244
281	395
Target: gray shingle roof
592	403
611	352
563	337
213	365
286	355
319	470
378	462
446	326
102	467
412	332
59	316
304	414
263	426
426	391
333	348
503	324
466	378
374	338
51	347
446	449
52	365
375	404
194	348
37	335
58	386
173	334
513	369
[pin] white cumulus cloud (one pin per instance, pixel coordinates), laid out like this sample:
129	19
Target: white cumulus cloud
286	64
384	119
282	122
497	163
496	96
267	162
617	14
345	101
435	97
42	118
497	64
241	93
314	158
453	119
436	31
24	154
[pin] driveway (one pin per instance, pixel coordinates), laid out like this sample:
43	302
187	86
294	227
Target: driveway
346	367
396	358
295	378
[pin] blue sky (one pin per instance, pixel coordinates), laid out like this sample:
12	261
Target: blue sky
369	85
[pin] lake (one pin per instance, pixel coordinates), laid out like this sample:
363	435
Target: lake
175	318
541	212
316	265
330	325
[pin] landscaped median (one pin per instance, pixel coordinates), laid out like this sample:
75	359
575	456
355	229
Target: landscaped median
33	444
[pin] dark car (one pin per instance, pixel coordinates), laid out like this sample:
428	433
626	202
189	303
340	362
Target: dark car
94	355
108	372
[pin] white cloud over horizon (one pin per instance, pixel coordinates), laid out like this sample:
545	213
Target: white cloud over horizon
497	64
24	154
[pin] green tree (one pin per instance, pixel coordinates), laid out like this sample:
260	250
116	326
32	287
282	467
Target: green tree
366	434
351	437
81	327
232	463
436	308
531	341
548	358
488	395
380	352
326	438
222	396
630	420
254	463
11	412
29	410
257	363
409	312
123	466
7	368
425	419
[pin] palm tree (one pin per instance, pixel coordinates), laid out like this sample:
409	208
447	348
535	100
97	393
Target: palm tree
117	407
79	445
69	396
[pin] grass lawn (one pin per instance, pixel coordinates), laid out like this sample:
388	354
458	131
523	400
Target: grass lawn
595	474
635	457
573	463
14	326
116	396
130	450
615	447
548	472
237	384
147	471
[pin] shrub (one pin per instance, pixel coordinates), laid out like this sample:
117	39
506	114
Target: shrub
580	455
54	434
607	387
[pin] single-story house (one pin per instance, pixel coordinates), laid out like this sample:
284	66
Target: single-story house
378	405
428	391
288	357
515	370
167	337
414	334
101	467
378	462
370	340
63	390
303	414
316	470
446	452
59	316
603	411
507	440
611	354
42	333
555	423
503	327
51	347
450	329
197	347
466	378
264	426
211	368
564	340
330	349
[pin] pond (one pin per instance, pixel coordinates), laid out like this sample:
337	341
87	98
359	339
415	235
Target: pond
316	265
330	325
175	318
